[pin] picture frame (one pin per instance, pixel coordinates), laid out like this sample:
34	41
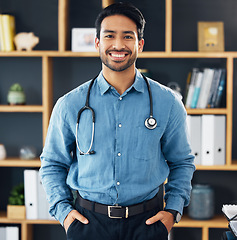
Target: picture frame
211	37
83	39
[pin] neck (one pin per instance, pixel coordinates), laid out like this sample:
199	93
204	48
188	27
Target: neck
121	81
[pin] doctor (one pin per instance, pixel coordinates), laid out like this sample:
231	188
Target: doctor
117	181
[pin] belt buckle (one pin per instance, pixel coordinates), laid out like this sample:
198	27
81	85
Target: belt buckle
109	211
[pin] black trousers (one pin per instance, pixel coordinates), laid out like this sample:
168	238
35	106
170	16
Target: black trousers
101	227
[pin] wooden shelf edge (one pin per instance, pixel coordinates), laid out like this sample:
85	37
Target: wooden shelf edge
145	54
227	167
21	108
16	162
216	222
215	111
4	219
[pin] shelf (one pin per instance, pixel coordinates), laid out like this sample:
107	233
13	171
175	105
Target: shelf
207	111
232	167
145	54
4	219
216	222
21	108
17	162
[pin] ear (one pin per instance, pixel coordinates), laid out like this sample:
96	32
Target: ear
97	43
141	45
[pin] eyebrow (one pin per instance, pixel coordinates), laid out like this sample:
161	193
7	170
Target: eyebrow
125	32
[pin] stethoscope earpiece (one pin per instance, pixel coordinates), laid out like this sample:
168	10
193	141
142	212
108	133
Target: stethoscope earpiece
150	123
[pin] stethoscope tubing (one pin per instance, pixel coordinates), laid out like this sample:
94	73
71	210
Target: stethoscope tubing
150	122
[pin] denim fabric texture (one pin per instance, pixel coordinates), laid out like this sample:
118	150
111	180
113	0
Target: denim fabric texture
130	161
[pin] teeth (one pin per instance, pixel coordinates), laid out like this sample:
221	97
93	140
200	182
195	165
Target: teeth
118	55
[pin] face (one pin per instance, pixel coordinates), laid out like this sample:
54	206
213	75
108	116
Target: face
118	44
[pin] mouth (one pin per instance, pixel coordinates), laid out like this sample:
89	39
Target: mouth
118	56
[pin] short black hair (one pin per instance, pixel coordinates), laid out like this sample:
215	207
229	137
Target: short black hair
126	9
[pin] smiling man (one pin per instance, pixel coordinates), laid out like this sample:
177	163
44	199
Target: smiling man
115	145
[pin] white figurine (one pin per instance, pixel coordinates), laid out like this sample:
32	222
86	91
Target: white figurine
25	41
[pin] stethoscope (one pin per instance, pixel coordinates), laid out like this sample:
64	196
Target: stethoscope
150	122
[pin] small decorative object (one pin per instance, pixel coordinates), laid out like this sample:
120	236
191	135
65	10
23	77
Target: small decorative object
16	208
27	152
25	41
16	95
211	36
176	88
3	153
202	202
83	39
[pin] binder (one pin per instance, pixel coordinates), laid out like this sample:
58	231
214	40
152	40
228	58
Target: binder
2	233
213	140
31	192
12	233
194	130
43	205
220	140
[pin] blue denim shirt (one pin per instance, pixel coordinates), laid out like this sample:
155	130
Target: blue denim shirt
131	161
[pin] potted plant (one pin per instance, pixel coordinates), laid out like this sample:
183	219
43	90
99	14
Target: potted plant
16	208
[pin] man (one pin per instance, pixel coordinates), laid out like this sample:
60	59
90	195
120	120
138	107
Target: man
118	178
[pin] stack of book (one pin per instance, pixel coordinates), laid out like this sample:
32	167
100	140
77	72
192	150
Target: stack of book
7	32
230	211
205	88
9	233
37	206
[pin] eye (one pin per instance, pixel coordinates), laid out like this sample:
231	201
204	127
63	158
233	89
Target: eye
128	37
108	36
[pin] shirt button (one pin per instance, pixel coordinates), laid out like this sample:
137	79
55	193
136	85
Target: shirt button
119	154
120	98
120	125
118	183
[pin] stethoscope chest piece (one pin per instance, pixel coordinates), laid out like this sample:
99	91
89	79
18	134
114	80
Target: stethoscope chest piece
151	123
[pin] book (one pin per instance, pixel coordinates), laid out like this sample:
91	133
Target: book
191	88
187	86
214	87
205	87
197	89
8	32
220	90
2	42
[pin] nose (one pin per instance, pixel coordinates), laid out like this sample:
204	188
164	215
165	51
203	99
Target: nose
118	44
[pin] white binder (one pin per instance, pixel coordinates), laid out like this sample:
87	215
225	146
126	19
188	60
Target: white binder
43	205
220	140
213	140
31	192
12	233
2	233
194	128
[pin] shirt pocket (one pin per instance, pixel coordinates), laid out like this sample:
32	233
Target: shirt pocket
147	143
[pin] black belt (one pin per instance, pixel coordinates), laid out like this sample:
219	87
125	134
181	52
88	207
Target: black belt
119	211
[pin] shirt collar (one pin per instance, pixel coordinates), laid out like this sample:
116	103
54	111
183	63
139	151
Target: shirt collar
138	84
